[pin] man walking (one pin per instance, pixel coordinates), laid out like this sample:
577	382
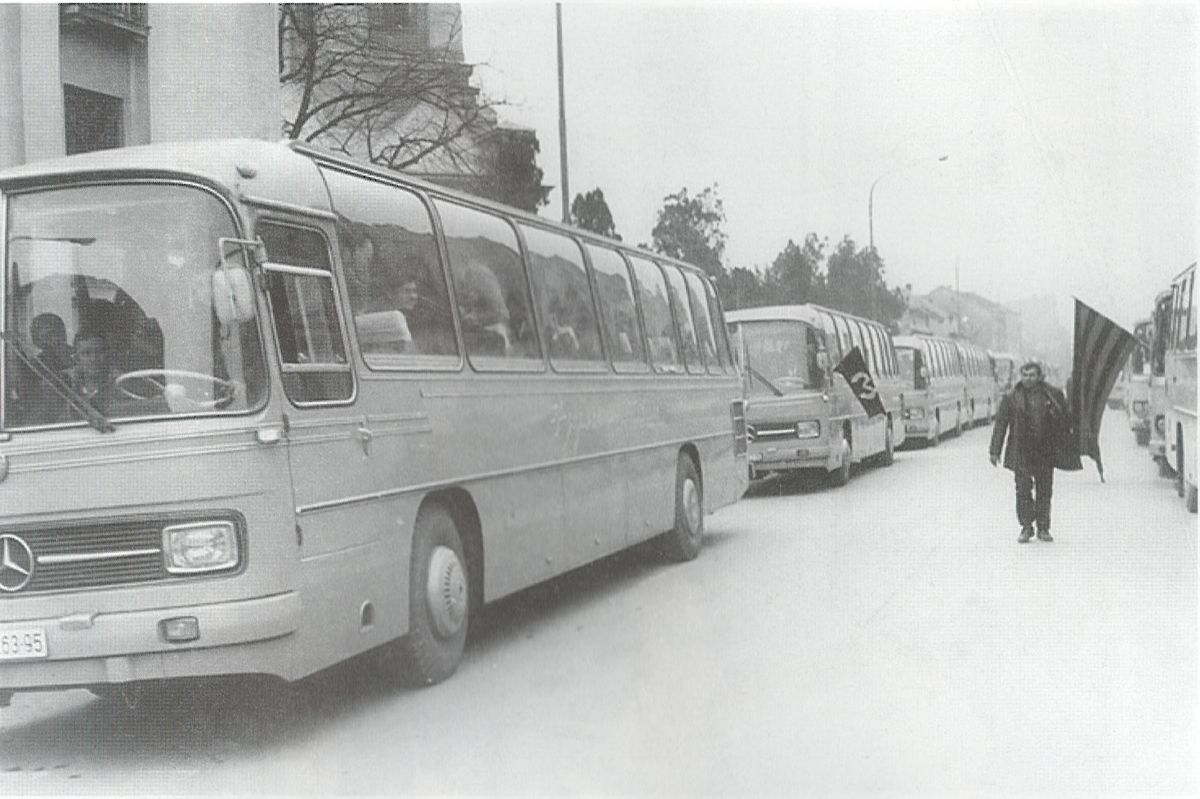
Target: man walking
1033	416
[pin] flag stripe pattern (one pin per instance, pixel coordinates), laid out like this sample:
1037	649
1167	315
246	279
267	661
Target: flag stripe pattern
1101	348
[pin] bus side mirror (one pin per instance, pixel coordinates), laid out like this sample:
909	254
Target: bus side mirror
232	297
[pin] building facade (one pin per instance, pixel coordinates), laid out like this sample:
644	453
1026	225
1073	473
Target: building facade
86	76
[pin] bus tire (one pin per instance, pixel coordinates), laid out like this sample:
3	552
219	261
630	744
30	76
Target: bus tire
841	475
683	541
439	600
888	457
959	426
1189	498
936	437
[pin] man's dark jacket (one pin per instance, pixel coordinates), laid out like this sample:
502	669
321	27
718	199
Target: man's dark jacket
1023	412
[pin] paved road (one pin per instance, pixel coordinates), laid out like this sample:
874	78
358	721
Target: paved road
887	637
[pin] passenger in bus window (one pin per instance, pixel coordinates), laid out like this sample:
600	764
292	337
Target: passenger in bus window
49	335
92	377
483	310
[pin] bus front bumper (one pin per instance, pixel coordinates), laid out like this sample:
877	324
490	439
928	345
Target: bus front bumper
791	456
244	637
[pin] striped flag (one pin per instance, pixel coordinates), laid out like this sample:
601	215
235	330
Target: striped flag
1101	349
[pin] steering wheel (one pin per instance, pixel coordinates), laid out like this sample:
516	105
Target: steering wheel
214	392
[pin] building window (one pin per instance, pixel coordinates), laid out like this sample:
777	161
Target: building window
93	121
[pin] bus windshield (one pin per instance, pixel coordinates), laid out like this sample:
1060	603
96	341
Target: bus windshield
906	357
109	306
785	353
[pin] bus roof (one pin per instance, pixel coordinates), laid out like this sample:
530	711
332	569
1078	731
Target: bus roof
796	313
281	172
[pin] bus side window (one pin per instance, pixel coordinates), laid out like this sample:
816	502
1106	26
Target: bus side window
722	335
656	311
491	289
704	328
308	327
394	276
684	324
618	311
564	296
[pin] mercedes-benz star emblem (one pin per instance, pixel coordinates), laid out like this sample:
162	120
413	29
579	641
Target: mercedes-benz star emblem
16	563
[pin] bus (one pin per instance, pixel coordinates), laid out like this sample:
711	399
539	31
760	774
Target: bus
935	387
982	399
1180	373
800	415
1135	381
264	409
1157	383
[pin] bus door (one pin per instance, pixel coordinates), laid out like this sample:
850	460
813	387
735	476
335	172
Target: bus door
353	541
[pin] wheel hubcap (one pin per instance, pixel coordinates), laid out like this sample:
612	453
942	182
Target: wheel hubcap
446	592
691	506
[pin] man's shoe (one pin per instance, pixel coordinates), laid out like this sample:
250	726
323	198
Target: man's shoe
1044	535
1026	534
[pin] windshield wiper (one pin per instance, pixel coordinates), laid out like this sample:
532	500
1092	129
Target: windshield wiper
755	373
61	387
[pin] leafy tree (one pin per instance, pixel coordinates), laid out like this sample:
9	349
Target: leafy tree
689	228
353	83
856	285
740	287
512	175
796	275
590	212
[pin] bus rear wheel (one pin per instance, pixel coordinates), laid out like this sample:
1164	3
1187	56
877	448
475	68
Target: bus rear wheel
439	605
683	541
959	425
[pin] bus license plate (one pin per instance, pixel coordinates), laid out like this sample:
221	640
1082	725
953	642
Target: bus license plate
23	644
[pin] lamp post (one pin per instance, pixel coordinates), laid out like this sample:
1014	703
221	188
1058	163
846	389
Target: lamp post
871	196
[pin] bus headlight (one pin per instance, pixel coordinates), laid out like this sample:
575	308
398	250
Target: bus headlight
808	429
914	413
200	547
1139	407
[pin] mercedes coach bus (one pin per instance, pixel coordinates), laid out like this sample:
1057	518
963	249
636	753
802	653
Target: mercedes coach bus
264	409
799	414
982	401
935	387
1180	385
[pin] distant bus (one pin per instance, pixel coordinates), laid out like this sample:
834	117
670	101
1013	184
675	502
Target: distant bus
264	409
1157	384
982	398
1181	385
799	413
1135	380
935	387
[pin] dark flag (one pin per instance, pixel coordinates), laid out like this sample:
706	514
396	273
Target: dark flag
854	369
1101	349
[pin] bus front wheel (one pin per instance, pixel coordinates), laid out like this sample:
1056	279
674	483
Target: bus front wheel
889	447
438	600
683	541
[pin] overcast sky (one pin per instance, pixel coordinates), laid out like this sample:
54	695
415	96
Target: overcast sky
1070	131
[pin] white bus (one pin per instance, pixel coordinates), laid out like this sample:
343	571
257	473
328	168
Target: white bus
1181	385
264	409
982	399
800	415
935	387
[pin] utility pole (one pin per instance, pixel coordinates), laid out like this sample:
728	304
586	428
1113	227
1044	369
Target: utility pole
562	121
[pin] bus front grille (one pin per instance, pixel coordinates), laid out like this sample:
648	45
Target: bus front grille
89	555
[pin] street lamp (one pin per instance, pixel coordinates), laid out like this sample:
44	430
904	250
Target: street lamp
871	196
